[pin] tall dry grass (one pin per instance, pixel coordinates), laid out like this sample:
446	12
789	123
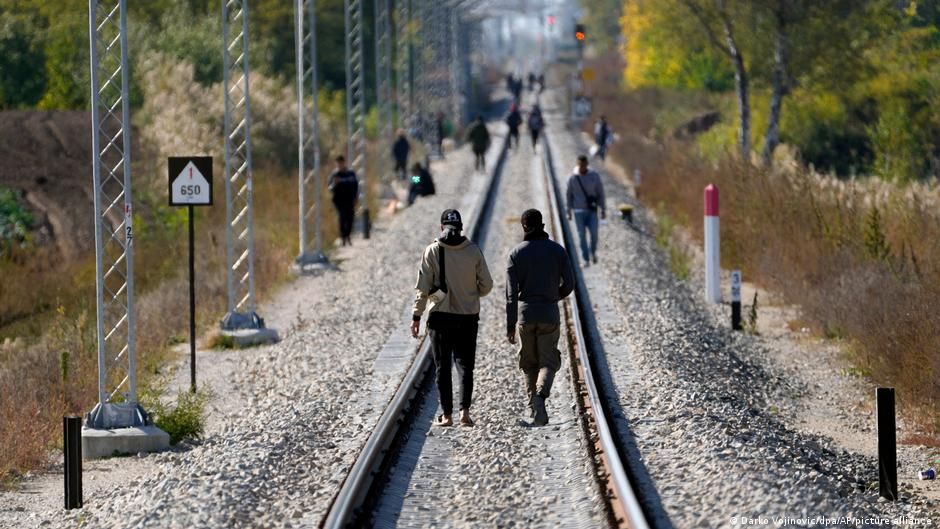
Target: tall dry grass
861	258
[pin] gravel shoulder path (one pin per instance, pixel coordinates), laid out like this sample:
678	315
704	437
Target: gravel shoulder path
287	420
703	404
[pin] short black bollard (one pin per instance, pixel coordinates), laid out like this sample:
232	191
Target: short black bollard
626	212
736	300
887	445
72	443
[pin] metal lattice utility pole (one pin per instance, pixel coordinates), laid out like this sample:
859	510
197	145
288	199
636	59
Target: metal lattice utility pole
456	69
114	233
403	58
383	81
308	136
241	314
355	103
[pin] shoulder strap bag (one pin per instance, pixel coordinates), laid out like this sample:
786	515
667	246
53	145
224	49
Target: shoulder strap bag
591	200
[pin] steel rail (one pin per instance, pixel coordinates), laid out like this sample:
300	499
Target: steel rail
347	504
624	502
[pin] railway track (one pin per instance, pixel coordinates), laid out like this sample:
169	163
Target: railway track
379	476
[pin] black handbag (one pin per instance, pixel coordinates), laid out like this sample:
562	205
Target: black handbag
591	200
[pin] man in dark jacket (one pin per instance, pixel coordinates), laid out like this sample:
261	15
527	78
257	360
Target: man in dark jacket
400	150
602	137
514	120
479	139
538	276
344	186
536	124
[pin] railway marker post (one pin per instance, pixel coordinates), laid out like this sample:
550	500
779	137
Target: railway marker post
190	180
712	246
72	448
887	444
637	179
736	300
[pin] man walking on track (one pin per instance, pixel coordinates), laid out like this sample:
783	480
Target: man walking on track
400	150
538	276
584	197
453	276
479	139
536	123
344	186
514	120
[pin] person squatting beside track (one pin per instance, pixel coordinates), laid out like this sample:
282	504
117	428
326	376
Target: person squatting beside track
538	276
344	186
453	275
584	197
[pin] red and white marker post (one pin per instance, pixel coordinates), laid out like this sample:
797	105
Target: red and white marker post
712	246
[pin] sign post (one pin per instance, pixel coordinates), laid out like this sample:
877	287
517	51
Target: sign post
190	180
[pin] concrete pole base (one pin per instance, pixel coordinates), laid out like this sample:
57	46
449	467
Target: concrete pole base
97	443
251	337
246	329
309	264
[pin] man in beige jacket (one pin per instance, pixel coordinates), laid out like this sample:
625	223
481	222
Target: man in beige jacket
453	277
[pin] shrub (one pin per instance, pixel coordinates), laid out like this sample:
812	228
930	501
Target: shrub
186	420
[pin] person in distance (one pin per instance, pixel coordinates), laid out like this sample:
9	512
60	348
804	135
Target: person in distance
584	196
344	186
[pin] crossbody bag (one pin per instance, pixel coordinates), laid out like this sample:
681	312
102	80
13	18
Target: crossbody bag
439	292
591	200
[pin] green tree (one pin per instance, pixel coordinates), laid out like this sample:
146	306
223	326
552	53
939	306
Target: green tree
22	83
66	50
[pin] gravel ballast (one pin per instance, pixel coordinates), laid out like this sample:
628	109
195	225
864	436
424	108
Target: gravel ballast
701	408
501	472
307	403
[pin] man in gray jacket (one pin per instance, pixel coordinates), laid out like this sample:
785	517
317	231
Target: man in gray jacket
537	277
453	276
584	197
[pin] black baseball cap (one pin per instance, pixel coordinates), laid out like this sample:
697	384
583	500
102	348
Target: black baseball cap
531	218
451	217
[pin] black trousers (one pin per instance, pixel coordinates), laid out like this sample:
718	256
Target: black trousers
454	345
401	168
535	136
347	214
480	163
513	135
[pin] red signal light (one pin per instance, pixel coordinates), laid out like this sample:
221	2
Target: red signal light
579	35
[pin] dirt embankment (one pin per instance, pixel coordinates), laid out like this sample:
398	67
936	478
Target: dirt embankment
47	156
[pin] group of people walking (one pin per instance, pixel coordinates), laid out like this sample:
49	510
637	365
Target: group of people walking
453	275
535	123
